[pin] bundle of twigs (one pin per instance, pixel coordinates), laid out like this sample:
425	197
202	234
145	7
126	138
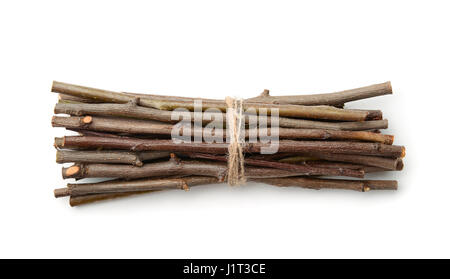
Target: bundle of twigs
126	137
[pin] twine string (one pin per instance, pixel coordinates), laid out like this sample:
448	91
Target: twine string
236	172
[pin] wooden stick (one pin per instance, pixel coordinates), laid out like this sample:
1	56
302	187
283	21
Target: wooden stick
111	157
332	164
319	183
346	126
381	162
136	159
305	169
122	186
328	98
114	125
287	146
86	199
134	126
90	192
314	112
74	99
179	167
131	110
337	98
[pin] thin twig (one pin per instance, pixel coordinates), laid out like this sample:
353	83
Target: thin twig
206	168
131	110
312	112
337	98
134	126
111	157
284	146
381	162
90	192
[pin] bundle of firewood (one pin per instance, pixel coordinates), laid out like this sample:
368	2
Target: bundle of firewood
136	144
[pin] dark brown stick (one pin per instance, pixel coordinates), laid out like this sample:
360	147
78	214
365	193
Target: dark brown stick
288	146
86	199
330	164
121	186
179	167
305	168
112	188
345	126
134	158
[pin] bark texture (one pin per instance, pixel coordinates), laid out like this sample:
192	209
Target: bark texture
285	146
142	127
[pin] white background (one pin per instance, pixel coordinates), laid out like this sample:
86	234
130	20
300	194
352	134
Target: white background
214	49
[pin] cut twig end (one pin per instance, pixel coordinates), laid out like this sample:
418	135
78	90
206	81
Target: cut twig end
71	171
59	142
59	157
389	87
400	165
86	119
381	184
61	192
389	139
54	84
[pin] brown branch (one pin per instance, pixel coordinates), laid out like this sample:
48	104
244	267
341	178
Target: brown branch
59	142
75	99
134	126
90	192
131	110
381	162
114	125
122	186
166	103
86	199
331	164
89	133
179	167
320	183
354	161
287	146
347	126
328	98
337	98
111	157
305	169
